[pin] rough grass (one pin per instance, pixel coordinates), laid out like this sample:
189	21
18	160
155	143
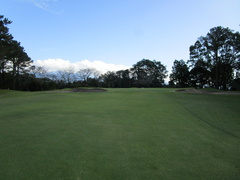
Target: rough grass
119	134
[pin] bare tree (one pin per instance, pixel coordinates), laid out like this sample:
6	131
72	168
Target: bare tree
86	74
67	75
39	71
96	74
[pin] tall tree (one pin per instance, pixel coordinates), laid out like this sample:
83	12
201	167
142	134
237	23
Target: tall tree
200	74
109	79
19	61
149	73
180	73
13	59
124	79
220	50
5	38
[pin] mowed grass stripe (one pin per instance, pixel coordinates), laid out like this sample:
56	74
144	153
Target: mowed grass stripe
119	134
219	111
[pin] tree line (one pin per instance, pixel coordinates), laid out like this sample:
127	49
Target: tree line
214	62
145	73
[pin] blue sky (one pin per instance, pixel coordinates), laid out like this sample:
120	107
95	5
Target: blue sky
116	32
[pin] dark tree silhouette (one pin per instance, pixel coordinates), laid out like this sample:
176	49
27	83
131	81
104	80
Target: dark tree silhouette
149	73
220	50
180	73
14	61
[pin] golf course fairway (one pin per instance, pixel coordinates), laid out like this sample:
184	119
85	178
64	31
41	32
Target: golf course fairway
135	133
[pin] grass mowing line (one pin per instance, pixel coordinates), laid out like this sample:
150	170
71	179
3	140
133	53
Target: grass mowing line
211	124
201	117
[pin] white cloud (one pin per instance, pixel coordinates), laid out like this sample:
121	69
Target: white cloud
47	5
59	64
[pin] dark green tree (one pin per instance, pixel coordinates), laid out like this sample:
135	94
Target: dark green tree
147	73
5	38
109	79
180	73
14	61
200	75
19	61
219	49
123	78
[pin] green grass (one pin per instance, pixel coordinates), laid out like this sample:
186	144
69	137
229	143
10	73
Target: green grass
119	134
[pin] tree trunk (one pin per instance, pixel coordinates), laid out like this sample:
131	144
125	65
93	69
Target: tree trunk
14	74
216	73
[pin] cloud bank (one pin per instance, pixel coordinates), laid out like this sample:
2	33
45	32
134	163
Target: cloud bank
59	64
